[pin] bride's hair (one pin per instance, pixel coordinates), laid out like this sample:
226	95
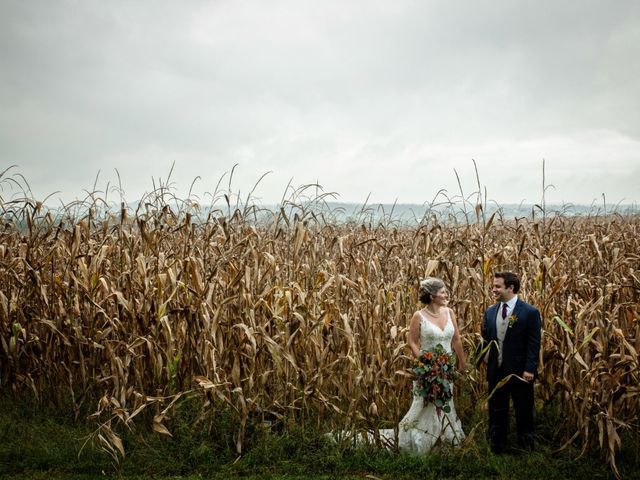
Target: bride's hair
429	287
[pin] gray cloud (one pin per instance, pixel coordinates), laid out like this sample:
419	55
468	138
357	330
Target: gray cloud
381	97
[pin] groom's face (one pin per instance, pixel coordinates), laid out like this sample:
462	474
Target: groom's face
500	292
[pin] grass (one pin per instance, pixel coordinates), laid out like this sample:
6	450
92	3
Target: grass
42	442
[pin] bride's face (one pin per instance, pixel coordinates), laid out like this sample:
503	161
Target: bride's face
441	298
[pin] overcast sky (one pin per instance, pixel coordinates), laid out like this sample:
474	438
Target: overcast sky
362	96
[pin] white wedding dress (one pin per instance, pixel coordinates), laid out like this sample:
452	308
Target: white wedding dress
422	427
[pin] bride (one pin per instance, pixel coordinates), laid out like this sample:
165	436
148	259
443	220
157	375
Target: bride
423	426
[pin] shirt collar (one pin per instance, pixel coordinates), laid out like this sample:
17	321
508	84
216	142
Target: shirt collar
511	304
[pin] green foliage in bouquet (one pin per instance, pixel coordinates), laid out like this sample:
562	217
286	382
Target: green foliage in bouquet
435	373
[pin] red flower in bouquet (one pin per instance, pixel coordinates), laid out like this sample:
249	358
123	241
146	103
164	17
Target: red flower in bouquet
435	373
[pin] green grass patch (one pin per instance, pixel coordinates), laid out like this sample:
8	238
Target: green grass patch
43	442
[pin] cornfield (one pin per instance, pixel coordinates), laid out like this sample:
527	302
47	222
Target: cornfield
299	317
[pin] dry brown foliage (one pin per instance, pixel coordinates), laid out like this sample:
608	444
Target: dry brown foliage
300	318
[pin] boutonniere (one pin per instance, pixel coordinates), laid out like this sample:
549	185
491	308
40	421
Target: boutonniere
512	319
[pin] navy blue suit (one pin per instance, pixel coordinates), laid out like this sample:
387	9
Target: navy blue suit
520	353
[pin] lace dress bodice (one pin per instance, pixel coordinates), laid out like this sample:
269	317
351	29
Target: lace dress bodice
431	335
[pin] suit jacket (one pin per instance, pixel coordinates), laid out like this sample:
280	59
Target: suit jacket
521	346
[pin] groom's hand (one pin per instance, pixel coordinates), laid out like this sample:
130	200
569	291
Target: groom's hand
528	376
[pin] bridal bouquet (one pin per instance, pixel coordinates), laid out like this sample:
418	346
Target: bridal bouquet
435	374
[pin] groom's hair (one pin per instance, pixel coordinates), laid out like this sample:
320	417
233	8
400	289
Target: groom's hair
510	280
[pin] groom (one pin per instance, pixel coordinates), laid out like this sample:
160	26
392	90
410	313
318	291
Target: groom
511	329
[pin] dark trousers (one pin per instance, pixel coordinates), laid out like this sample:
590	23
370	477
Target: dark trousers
522	395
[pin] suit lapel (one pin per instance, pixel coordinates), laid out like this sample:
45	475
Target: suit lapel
493	314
